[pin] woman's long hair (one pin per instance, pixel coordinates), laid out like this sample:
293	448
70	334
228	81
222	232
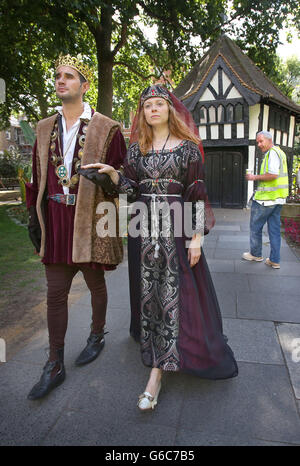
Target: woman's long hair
176	126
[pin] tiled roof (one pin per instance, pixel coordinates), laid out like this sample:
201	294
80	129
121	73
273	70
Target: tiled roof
248	74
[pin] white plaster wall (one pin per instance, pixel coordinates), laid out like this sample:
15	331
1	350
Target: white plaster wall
240	130
234	93
226	81
265	118
215	82
207	95
214	131
278	137
253	120
202	132
291	131
227	131
284	139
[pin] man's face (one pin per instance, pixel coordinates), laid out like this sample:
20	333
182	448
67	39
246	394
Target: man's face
67	84
264	143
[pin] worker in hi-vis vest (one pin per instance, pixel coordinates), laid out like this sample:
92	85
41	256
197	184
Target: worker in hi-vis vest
271	194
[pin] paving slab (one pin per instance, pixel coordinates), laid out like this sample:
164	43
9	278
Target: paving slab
274	283
75	428
291	268
259	403
116	382
240	243
218	227
209	252
228	304
277	307
217	265
253	341
203	438
289	336
210	241
233	238
25	422
96	405
287	254
228	254
230	282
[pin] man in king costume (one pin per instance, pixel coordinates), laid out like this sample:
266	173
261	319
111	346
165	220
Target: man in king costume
63	212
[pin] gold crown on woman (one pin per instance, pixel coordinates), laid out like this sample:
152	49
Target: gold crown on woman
77	64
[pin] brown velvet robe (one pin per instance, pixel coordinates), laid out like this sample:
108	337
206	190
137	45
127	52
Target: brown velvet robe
87	245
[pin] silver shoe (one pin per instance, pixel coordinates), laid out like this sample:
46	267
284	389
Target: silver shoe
146	401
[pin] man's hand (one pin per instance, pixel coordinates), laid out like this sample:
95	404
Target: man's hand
265	177
104	168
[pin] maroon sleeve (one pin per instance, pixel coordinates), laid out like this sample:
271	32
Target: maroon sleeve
32	188
195	185
117	150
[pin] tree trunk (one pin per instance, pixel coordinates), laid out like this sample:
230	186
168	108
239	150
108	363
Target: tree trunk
43	105
40	92
105	63
105	87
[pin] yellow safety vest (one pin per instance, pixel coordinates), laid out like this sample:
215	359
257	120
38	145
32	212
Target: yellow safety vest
273	189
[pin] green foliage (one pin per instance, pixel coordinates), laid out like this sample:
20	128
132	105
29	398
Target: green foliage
14	165
7	168
291	78
34	38
16	252
28	132
111	36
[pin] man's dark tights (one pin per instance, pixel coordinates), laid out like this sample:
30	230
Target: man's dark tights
59	280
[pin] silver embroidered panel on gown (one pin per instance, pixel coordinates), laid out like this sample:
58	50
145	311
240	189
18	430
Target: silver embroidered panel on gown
160	276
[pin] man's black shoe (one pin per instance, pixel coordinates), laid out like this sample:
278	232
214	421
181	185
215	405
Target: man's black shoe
47	382
95	343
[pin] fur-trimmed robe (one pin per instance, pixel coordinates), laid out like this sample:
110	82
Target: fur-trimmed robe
87	245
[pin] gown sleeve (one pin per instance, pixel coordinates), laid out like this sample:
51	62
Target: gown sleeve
116	152
195	192
128	178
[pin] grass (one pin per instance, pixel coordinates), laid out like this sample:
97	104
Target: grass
18	265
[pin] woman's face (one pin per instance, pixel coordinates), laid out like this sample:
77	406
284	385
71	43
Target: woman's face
156	111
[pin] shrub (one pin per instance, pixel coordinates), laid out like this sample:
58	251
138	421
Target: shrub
8	168
292	229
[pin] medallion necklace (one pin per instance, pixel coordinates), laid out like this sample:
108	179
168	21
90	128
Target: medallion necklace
59	161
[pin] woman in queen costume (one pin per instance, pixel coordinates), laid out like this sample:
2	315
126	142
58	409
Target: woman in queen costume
175	313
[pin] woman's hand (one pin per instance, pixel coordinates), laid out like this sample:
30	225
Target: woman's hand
194	251
104	168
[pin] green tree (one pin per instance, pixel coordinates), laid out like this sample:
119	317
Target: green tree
111	34
291	72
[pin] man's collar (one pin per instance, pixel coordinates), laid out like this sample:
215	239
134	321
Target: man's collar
86	114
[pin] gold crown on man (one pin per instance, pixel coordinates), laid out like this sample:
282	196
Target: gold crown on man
77	64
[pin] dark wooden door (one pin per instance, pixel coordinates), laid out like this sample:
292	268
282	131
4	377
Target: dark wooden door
224	178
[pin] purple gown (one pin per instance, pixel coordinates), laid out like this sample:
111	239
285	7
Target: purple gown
175	313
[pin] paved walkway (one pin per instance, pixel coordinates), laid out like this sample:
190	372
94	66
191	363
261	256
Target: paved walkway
96	405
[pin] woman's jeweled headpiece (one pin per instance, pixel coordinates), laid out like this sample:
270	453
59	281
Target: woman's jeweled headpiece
77	64
155	91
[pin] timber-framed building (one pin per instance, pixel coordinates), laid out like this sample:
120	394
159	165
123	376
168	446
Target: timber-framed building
231	99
